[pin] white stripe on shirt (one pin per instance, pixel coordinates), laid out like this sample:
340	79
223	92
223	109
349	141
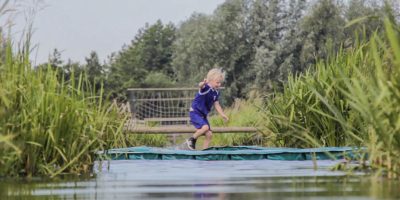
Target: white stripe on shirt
204	92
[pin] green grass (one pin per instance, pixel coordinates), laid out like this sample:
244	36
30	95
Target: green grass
154	140
241	114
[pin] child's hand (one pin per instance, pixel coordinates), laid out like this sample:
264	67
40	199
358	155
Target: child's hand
226	118
201	84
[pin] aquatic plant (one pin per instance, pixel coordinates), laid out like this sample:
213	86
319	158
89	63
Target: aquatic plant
48	126
351	99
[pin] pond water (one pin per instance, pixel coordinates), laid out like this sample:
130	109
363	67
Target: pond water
192	179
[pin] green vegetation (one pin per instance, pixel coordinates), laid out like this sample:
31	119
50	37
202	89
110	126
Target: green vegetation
352	99
146	62
258	43
241	114
49	126
321	83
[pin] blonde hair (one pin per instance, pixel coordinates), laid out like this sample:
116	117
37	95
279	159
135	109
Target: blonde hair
215	74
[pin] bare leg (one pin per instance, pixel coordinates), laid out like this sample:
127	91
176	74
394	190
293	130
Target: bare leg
201	131
208	139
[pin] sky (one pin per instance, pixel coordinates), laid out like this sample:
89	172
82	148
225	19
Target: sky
77	27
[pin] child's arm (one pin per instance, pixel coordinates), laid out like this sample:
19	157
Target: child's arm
202	84
220	111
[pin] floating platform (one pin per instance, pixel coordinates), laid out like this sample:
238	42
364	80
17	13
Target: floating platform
232	153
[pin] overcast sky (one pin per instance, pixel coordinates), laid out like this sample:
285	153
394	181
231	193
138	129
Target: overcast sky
76	27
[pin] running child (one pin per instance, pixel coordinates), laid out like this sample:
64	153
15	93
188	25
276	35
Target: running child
204	100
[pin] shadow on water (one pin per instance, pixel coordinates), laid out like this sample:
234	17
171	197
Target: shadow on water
192	179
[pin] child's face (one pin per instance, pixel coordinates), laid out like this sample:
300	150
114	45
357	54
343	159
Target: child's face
215	83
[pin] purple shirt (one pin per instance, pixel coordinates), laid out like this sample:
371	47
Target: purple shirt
204	100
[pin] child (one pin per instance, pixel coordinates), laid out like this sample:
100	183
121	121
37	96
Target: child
202	104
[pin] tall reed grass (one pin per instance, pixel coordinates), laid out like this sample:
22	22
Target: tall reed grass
352	99
47	126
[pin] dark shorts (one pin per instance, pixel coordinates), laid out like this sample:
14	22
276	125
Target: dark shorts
198	120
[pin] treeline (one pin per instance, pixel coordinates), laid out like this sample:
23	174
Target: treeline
257	42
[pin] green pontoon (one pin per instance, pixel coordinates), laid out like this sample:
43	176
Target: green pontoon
233	153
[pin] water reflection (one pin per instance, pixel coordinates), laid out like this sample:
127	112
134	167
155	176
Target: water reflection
191	179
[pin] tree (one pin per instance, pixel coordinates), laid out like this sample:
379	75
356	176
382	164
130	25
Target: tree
94	70
365	17
54	63
267	23
220	40
193	53
292	42
233	47
246	38
150	51
72	70
55	60
322	32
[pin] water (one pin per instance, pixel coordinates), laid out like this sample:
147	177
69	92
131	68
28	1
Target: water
191	179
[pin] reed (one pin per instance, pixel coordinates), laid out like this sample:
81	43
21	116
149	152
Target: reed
351	99
374	93
48	126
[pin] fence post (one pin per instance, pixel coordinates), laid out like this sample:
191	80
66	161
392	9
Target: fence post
132	102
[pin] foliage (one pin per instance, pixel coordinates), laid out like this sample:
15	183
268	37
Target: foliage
322	31
257	42
150	52
192	38
95	71
375	95
152	140
242	114
352	99
52	116
48	127
204	42
298	109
